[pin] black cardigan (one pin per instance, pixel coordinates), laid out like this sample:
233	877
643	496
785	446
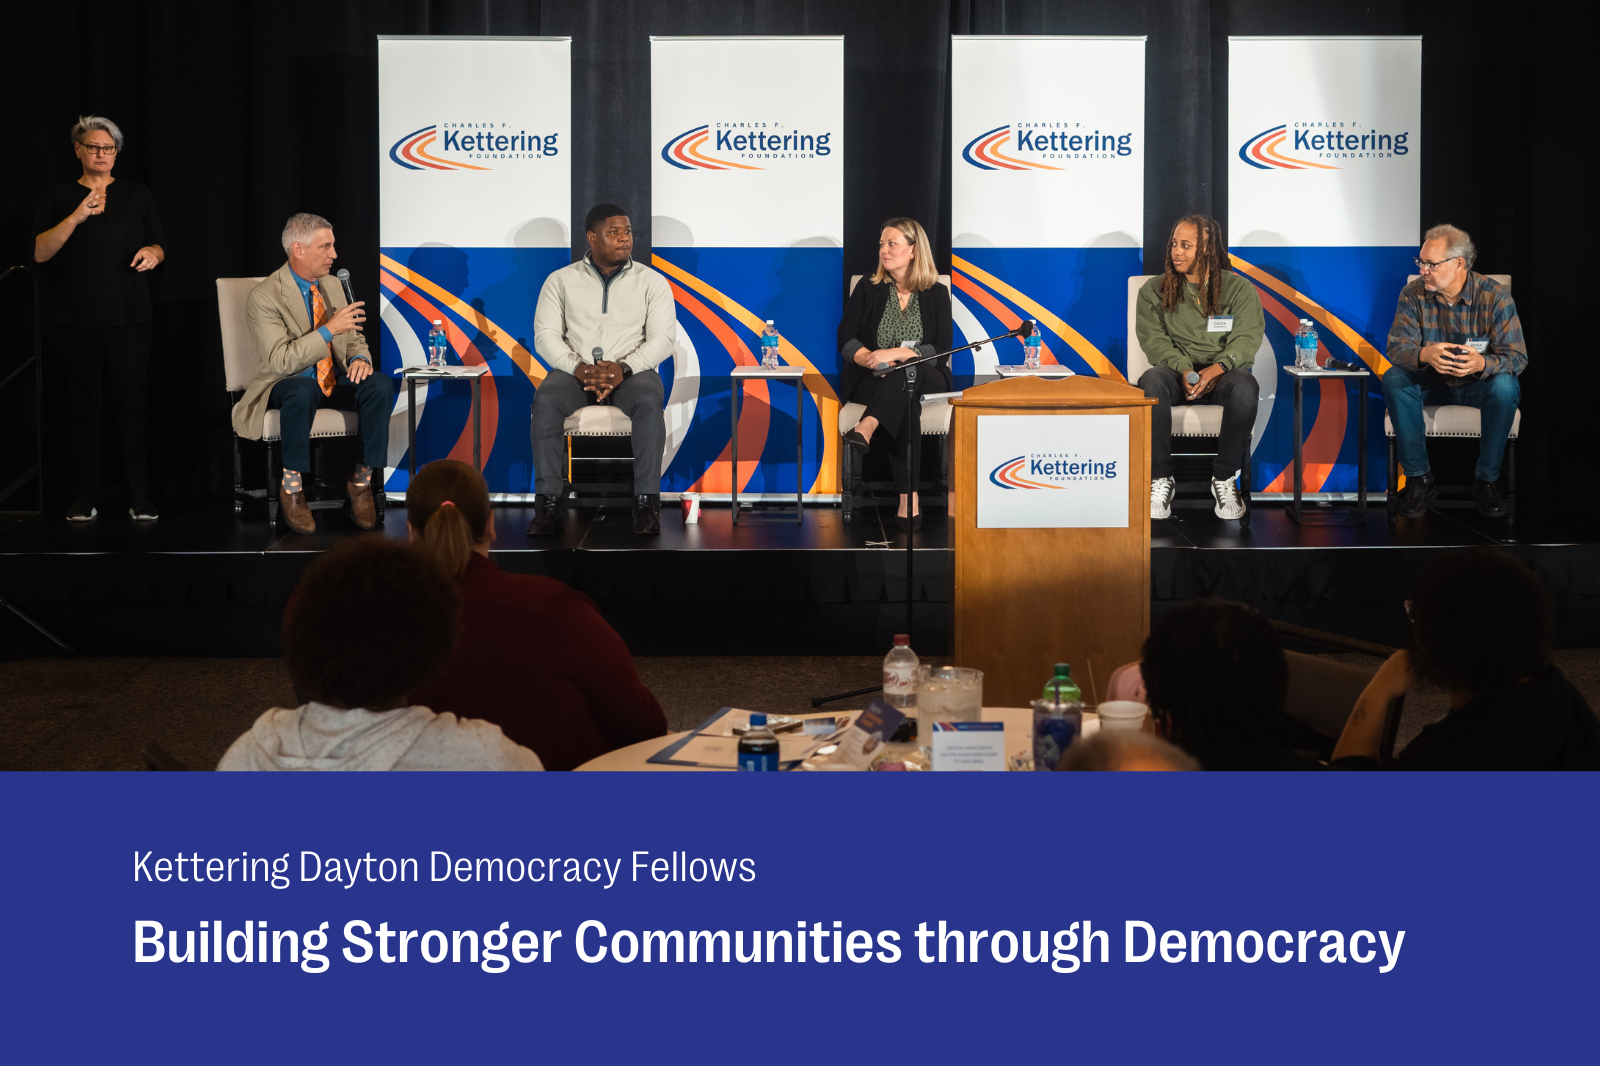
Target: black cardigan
859	327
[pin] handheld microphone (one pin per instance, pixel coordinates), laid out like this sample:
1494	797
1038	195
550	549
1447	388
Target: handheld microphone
598	354
1192	378
1340	364
344	280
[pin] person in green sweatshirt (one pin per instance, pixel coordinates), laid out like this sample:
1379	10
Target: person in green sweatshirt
1199	324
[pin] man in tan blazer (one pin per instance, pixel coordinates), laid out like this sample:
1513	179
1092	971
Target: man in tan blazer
313	356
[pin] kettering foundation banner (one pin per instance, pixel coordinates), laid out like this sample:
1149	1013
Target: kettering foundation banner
475	188
1324	187
747	174
1047	196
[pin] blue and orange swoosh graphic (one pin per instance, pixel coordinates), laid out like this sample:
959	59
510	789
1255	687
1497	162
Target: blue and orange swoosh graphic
411	152
1005	475
683	152
983	152
1261	152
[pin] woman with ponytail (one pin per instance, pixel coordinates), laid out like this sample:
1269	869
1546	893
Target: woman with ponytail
534	657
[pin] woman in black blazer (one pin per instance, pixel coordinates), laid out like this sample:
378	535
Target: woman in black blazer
902	312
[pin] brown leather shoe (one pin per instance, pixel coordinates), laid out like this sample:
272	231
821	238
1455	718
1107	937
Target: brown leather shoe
362	508
295	511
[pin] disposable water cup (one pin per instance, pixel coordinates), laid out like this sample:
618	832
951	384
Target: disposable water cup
691	508
1122	714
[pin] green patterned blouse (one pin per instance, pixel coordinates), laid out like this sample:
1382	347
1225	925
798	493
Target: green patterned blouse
898	325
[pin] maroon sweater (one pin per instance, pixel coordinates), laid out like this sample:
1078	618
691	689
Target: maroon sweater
536	659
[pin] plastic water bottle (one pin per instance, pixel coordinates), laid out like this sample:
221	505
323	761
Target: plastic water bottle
900	674
1061	688
1032	345
769	346
758	748
438	341
1305	345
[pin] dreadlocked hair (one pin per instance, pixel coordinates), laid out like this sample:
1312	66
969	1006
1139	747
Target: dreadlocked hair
1210	262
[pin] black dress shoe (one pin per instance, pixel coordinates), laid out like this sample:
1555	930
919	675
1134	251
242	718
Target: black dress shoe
647	514
546	515
1487	495
912	523
857	442
1420	492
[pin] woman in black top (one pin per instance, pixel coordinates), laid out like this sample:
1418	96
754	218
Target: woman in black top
901	313
101	237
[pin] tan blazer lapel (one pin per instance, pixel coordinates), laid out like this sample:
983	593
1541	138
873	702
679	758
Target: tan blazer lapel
293	301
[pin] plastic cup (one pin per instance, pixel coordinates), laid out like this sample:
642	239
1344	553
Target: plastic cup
947	694
1122	714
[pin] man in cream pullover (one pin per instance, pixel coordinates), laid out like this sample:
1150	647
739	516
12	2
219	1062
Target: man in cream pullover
602	326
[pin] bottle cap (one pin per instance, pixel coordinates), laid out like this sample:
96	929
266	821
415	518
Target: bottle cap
438	321
902	640
1063	670
769	321
757	719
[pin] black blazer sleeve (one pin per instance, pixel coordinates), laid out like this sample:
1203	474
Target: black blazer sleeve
939	333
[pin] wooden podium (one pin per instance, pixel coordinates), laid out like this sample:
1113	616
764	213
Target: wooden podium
1029	597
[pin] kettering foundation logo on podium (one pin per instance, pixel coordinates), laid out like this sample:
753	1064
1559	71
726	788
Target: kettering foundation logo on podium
1051	470
1027	145
740	145
1269	149
447	146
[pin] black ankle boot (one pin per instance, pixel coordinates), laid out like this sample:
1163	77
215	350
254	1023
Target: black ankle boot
546	515
647	514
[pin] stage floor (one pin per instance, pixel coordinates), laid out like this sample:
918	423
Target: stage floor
204	581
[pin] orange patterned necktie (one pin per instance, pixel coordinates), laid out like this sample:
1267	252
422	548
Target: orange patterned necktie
319	312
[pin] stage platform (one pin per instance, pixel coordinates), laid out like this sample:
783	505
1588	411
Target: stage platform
201	581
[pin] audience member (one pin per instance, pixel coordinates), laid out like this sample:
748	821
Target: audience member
1482	626
535	657
370	622
1216	680
1119	749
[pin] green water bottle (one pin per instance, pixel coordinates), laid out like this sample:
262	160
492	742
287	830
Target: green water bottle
1061	688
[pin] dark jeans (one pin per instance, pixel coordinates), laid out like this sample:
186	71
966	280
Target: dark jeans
639	397
1236	392
1408	391
887	401
299	398
94	358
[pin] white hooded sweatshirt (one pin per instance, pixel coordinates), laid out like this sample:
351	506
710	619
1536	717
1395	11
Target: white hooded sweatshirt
319	737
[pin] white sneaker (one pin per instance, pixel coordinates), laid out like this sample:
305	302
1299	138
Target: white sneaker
1229	505
1161	493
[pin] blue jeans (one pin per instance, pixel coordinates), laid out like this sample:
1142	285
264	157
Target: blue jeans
1408	391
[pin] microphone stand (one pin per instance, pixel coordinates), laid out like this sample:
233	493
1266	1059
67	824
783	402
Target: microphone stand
913	445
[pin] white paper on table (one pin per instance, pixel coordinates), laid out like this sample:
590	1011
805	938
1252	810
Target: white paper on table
723	752
969	746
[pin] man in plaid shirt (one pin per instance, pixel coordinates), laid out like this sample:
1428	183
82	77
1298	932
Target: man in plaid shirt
1456	339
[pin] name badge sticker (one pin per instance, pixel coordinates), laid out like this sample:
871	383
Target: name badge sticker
1478	344
1219	324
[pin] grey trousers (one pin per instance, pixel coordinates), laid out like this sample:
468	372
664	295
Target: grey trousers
560	395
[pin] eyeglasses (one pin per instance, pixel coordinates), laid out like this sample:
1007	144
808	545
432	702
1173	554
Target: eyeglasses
1427	267
98	149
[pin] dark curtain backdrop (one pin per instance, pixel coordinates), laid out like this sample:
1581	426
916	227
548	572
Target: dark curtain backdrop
238	115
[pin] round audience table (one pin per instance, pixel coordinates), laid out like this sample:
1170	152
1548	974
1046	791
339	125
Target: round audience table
1018	722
